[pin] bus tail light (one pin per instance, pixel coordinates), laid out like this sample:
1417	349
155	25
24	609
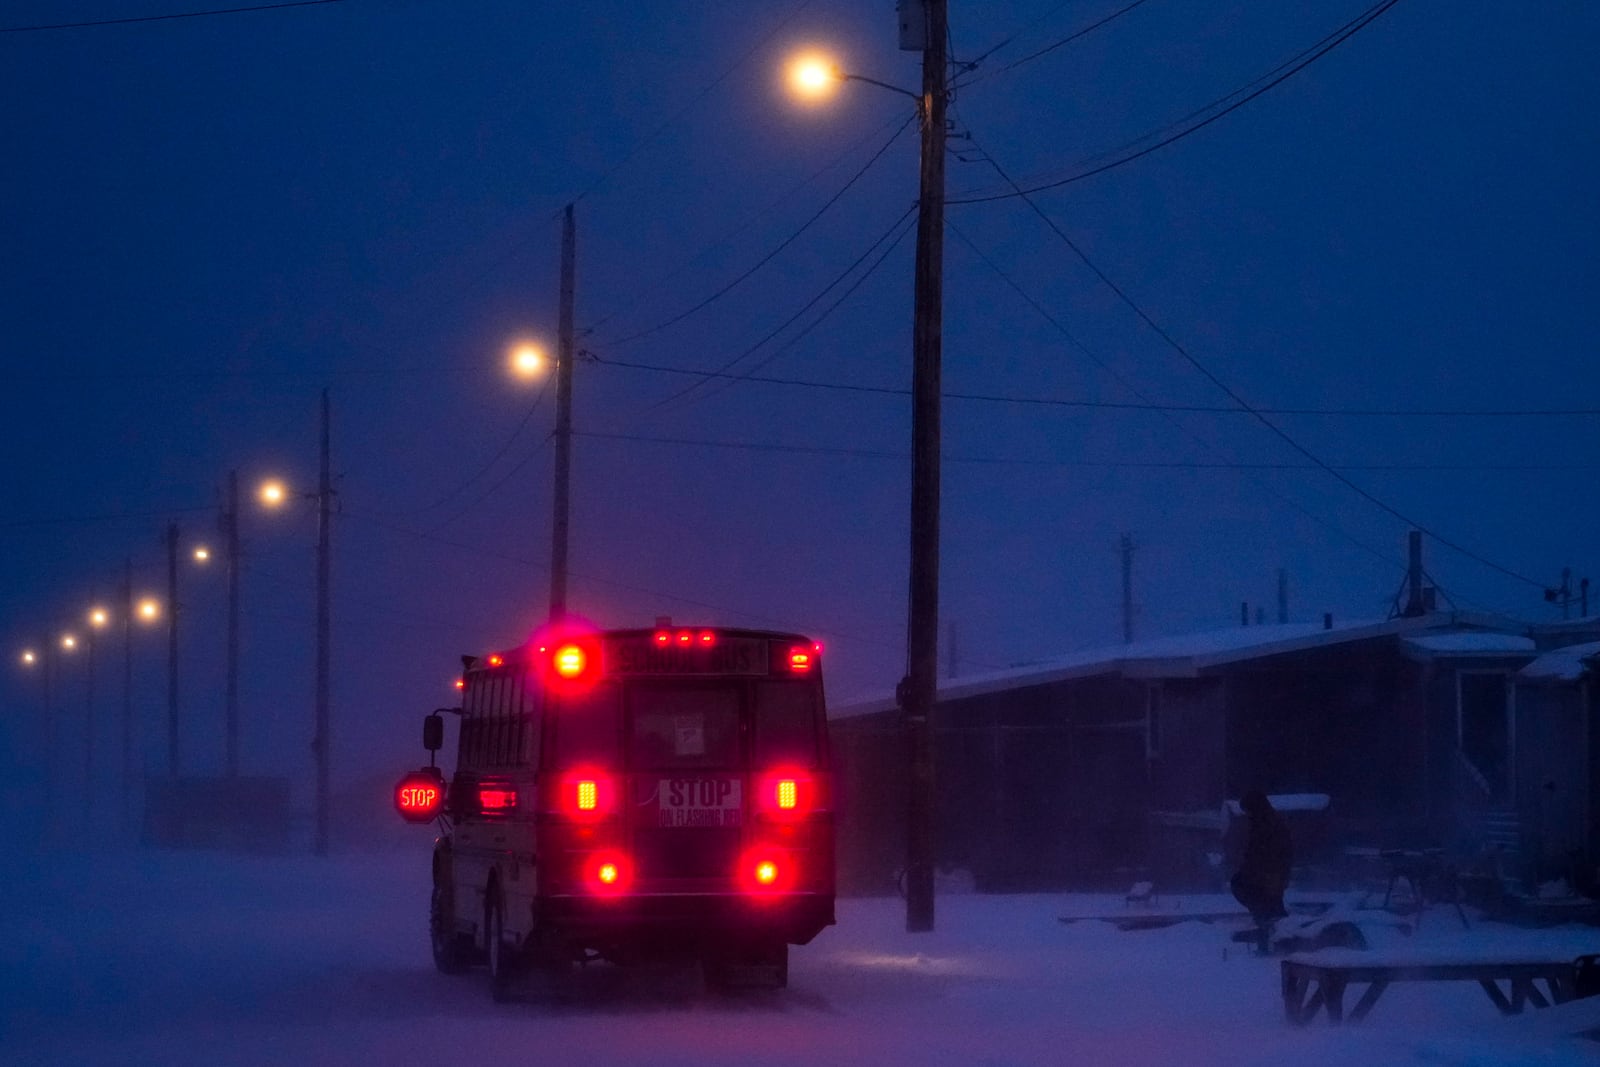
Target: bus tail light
789	795
585	795
496	799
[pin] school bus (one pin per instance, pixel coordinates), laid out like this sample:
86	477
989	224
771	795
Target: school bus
633	795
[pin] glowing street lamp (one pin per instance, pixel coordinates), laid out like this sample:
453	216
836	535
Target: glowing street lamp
29	657
528	361
272	493
202	554
149	609
69	642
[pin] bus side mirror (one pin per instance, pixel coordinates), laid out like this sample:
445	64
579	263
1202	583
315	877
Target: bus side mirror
433	732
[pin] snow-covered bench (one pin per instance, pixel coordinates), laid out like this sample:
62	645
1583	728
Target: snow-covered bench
1318	983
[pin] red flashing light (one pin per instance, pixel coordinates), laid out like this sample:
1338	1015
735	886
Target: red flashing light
588	794
608	874
418	796
786	793
708	638
570	661
766	870
801	659
497	799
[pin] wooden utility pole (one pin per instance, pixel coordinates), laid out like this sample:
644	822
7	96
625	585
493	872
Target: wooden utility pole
564	359
173	765
922	653
127	694
1283	595
321	742
230	530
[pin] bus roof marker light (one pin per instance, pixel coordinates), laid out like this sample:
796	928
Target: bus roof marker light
496	660
685	637
663	638
708	638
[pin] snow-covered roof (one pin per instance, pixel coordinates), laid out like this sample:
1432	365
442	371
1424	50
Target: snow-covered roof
1472	644
1563	665
1182	656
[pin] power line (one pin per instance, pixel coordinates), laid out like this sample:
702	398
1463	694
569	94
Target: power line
1114	405
869	453
1168	416
167	18
1047	49
1295	66
764	260
1189	357
727	380
462	486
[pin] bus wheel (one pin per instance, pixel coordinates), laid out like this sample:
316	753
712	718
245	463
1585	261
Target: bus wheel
503	958
452	953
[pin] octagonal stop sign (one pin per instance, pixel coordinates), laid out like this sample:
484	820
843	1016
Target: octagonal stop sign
419	796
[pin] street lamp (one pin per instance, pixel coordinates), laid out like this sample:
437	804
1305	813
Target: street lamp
811	76
274	494
528	361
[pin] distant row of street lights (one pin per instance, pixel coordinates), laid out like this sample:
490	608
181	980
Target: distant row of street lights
45	657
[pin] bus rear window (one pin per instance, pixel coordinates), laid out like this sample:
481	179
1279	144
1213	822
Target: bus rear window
584	728
676	726
786	723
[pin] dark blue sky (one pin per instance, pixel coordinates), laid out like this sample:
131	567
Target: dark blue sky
206	221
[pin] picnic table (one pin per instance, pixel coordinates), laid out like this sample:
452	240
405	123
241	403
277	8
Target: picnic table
1313	984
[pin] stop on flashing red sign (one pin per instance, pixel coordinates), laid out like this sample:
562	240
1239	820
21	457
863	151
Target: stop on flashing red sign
418	796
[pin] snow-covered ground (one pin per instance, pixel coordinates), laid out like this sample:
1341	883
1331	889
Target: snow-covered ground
146	958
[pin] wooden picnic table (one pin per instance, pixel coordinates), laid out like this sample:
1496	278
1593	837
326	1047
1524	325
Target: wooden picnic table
1318	984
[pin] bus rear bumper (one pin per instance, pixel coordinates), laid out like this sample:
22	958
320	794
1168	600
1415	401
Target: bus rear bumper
794	918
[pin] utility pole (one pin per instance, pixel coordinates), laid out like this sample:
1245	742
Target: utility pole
321	741
1283	595
88	732
47	660
1414	605
564	359
172	650
230	530
922	630
1127	589
127	694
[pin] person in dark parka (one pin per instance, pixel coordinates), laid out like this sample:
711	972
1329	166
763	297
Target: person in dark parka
1264	872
